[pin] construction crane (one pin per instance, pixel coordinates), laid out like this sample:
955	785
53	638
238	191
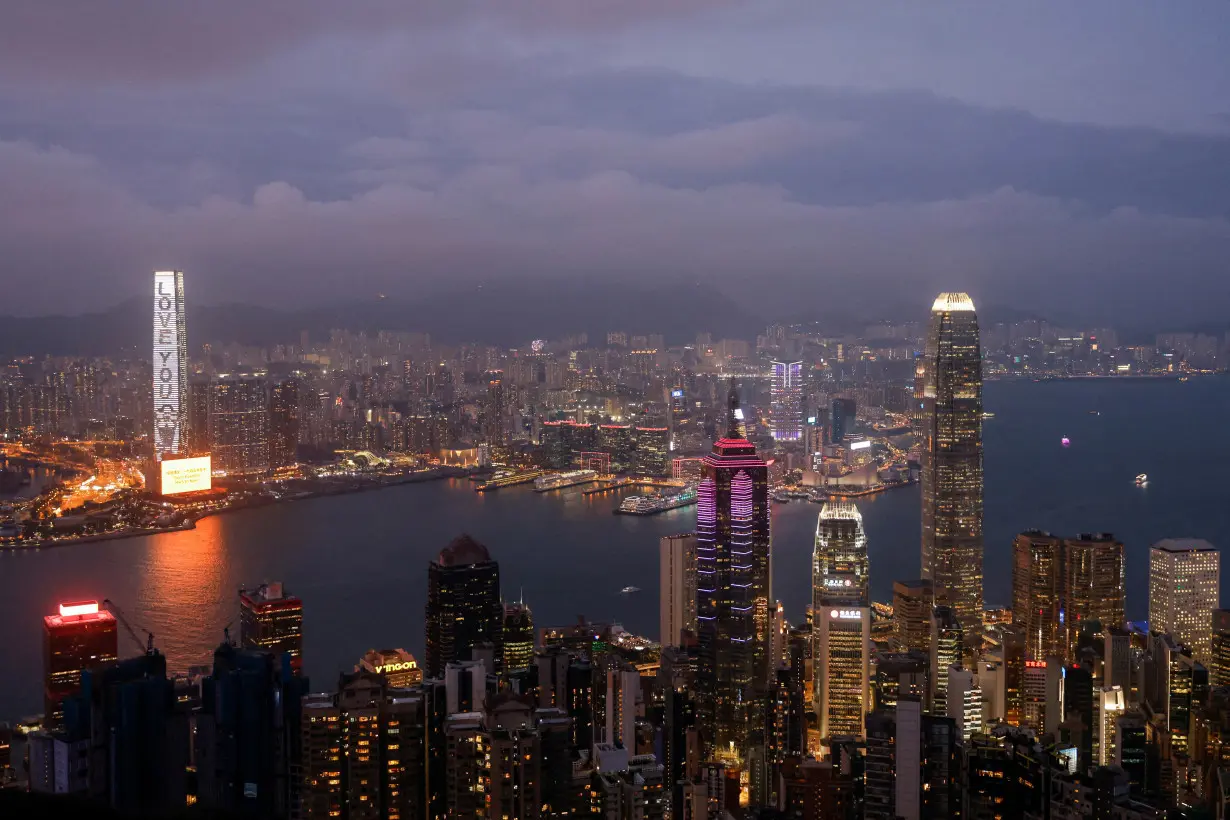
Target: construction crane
147	644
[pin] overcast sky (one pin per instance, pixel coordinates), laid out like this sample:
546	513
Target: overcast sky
1044	155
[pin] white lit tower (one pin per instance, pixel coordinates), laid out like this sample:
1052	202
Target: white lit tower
786	401
170	366
842	618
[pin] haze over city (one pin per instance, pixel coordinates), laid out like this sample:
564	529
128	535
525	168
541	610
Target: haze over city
1052	157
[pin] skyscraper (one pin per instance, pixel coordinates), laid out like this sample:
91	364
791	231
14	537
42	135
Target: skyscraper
1093	585
786	401
1037	592
677	607
733	588
842	418
952	458
170	366
283	422
78	637
270	618
463	605
1184	586
912	605
518	638
840	605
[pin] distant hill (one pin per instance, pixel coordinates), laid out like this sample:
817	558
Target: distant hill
504	314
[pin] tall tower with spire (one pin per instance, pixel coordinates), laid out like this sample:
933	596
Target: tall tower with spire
733	561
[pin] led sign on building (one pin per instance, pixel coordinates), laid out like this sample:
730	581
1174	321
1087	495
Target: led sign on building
170	365
186	475
860	445
845	614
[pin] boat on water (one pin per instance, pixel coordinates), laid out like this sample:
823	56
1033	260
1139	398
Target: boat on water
988	415
656	503
629	590
558	481
781	497
1142	480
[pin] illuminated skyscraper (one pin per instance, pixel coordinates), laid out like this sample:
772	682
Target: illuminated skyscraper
1093	585
463	605
1037	593
170	366
272	619
786	401
78	637
912	605
733	589
239	424
283	422
952	458
842	619
1184	586
518	638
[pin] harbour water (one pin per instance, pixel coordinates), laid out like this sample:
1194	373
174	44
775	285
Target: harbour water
359	561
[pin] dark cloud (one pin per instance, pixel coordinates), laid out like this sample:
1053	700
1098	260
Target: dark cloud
295	167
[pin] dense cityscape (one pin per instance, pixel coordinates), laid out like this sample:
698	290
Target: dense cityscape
1055	706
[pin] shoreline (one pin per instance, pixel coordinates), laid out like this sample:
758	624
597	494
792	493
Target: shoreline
437	474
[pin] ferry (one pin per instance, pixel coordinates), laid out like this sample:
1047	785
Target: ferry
558	481
1142	480
988	415
656	503
629	590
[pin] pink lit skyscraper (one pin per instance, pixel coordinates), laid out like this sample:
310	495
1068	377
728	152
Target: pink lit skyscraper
786	401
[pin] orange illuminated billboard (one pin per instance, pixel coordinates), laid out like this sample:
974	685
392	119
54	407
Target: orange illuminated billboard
186	475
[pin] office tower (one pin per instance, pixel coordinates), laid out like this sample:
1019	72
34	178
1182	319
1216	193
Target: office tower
733	587
841	418
653	451
1012	645
1093	585
787	734
246	740
912	605
1079	713
518	638
580	703
198	416
1219	655
363	751
880	766
397	666
283	423
1132	748
1111	706
1033	710
900	675
622	686
78	637
270	618
786	400
463	604
677	571
619	442
951	473
1180	684
1037	592
1184	579
516	758
170	366
839	558
964	701
1117	659
840	608
947	648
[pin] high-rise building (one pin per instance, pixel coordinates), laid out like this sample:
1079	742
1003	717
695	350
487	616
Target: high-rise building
947	649
653	451
1093	585
1111	706
170	366
1037	592
733	587
518	638
270	618
951	474
1184	579
840	607
677	607
397	666
283	422
1219	665
463	604
786	400
78	637
842	417
912	605
495	414
239	424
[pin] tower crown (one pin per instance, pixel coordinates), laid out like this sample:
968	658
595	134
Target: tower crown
950	302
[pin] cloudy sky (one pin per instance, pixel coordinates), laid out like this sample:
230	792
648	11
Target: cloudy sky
1044	155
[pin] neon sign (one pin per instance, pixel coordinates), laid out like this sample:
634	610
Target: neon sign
170	364
845	614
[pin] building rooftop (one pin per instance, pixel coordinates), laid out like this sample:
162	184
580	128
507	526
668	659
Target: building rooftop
463	550
948	302
1184	545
